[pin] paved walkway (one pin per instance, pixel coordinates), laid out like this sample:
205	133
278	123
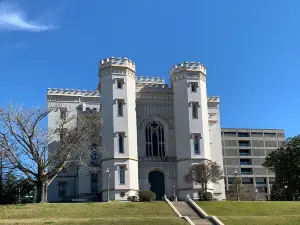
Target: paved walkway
186	210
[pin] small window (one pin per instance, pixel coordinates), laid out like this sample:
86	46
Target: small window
121	142
196	144
93	154
122	174
120	108
195	110
63	112
193	87
119	84
94	182
62	189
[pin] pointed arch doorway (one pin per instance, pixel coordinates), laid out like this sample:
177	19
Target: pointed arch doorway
157	184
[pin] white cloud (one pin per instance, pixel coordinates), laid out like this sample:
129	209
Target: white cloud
13	18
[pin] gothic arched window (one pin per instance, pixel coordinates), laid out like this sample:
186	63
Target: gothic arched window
155	140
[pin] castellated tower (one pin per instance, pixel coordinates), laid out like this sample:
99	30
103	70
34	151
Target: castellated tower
119	135
191	121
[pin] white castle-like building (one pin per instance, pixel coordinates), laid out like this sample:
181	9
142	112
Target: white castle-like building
152	133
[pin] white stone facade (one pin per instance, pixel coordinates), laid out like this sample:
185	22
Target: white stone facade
151	135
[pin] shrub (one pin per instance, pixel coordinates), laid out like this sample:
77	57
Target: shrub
146	196
133	198
207	196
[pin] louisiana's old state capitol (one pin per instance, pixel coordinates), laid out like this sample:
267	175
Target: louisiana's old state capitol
153	133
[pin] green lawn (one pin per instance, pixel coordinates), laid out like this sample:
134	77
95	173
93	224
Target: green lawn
90	213
258	213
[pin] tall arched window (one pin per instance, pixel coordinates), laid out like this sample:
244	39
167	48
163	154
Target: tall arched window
155	140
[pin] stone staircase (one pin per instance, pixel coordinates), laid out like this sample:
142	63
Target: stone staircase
185	210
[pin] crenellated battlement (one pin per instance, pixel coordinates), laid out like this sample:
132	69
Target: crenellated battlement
187	67
213	99
152	80
116	62
73	92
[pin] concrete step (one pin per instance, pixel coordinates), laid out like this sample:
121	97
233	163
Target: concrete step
186	210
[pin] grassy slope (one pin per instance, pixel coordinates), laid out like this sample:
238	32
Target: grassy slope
259	213
90	213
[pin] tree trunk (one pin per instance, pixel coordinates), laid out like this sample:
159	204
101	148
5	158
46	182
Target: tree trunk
42	188
203	190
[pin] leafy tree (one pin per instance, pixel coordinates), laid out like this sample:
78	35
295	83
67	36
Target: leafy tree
203	173
239	190
41	153
285	163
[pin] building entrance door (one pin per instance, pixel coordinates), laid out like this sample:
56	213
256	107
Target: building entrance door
157	184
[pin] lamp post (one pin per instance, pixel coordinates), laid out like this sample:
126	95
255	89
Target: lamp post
107	173
237	186
285	187
256	191
174	193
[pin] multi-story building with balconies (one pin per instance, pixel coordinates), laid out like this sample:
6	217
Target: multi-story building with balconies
152	133
244	152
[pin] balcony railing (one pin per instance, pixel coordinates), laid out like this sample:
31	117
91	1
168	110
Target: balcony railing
158	159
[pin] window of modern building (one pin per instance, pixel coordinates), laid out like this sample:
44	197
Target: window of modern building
271	180
270	134
245	152
121	142
194	110
245	162
247	180
230	180
245	171
261	180
120	107
62	189
94	182
230	134
243	134
122	174
257	134
244	143
194	87
197	144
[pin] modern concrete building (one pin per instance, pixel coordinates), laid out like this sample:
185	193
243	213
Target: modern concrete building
152	133
245	150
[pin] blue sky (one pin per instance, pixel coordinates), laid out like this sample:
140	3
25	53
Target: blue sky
251	50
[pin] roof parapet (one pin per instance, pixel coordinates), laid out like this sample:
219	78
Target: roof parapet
72	92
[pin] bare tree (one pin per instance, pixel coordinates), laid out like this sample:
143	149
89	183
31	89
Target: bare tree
203	173
41	153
